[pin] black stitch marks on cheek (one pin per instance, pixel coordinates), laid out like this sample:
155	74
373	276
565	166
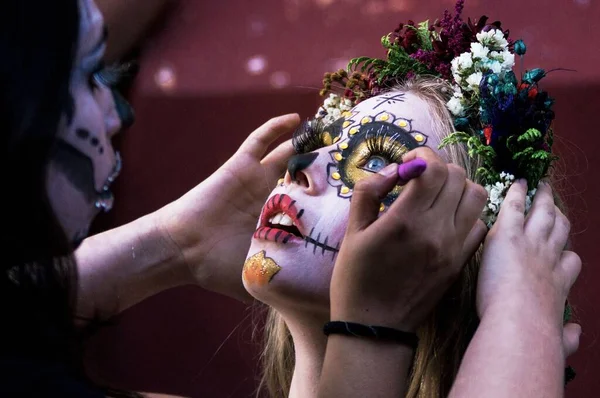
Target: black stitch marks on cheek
101	150
321	245
94	141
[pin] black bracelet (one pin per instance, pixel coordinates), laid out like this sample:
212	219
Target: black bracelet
375	332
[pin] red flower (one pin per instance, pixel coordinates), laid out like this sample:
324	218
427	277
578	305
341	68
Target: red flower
533	93
487	132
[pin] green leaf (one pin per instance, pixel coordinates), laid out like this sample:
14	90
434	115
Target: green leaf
530	135
425	36
454	138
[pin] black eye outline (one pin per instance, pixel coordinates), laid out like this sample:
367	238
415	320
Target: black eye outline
314	134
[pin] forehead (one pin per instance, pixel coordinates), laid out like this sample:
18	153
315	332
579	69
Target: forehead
89	12
91	25
402	109
397	105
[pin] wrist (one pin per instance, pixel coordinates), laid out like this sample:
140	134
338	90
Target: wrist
375	314
183	249
525	316
163	250
376	333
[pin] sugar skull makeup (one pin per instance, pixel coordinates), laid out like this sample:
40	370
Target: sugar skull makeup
83	163
303	222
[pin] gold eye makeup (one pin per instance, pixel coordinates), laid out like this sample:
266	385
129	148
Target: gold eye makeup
373	143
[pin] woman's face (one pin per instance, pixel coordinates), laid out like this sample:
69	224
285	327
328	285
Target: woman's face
303	222
84	163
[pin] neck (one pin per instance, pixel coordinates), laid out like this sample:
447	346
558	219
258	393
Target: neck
309	345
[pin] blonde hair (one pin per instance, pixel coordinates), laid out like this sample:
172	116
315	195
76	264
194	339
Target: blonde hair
444	337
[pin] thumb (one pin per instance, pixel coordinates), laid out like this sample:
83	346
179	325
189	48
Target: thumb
473	241
367	195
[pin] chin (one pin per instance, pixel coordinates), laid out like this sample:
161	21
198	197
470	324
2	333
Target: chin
287	276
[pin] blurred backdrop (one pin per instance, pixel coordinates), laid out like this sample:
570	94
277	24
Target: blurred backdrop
212	71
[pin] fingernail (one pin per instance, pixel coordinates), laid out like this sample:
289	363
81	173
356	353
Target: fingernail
389	170
411	169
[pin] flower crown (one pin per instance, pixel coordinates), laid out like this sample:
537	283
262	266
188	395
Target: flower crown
505	122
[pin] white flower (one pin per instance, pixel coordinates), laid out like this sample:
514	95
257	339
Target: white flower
454	64
332	101
457	78
479	51
494	66
474	80
333	107
455	106
465	60
499	39
509	60
493	38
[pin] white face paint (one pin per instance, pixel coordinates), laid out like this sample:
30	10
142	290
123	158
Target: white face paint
304	220
84	161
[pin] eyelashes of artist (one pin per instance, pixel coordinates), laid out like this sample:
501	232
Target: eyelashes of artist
113	76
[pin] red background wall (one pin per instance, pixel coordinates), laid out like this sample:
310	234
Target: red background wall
217	70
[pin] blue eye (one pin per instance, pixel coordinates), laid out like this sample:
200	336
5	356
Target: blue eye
375	164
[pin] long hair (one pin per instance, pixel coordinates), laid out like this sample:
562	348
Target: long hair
38	275
444	337
38	42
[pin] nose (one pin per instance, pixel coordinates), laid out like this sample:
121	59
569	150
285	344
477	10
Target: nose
119	114
297	166
124	110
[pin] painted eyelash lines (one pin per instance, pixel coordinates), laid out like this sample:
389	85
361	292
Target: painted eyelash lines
307	137
382	143
321	245
314	134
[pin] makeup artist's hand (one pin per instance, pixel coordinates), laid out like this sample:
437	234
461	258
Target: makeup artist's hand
525	271
213	224
392	269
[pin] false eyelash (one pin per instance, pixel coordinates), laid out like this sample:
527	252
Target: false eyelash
111	76
385	145
308	136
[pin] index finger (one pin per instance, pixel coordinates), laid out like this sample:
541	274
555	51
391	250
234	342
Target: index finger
422	192
512	210
259	140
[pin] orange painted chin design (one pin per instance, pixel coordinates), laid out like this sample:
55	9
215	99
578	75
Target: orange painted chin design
259	270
